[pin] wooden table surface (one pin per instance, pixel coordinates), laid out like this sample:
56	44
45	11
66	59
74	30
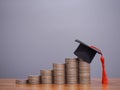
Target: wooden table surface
9	84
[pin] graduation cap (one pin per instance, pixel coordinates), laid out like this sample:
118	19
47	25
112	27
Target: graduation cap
86	52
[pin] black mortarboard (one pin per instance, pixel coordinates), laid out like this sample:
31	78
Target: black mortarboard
85	52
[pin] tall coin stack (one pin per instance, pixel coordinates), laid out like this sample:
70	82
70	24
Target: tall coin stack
84	72
59	73
33	79
71	70
46	76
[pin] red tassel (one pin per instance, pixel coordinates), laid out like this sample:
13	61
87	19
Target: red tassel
104	73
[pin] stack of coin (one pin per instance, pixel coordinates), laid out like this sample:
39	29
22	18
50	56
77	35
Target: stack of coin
59	73
84	72
71	70
33	79
21	81
46	76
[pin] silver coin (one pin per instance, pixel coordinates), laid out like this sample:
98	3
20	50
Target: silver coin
21	81
46	72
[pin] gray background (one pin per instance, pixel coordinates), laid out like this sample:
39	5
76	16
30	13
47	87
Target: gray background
36	33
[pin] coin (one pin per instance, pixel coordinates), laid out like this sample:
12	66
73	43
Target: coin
84	72
21	81
59	72
58	66
33	79
59	79
87	68
71	70
71	60
72	79
83	63
46	72
46	79
85	80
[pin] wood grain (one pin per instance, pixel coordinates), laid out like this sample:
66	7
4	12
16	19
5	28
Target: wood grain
9	84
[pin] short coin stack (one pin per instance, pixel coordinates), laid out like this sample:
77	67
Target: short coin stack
59	73
84	72
46	76
33	79
71	70
21	81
